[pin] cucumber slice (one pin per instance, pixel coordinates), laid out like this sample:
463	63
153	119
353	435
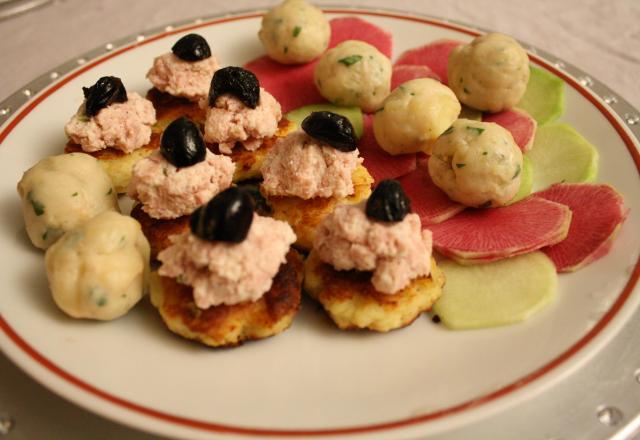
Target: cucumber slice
561	155
354	114
544	97
494	294
526	181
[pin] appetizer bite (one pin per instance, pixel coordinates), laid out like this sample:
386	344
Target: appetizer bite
186	71
489	74
171	183
371	264
60	193
114	126
232	277
294	32
354	73
477	164
100	269
311	171
412	117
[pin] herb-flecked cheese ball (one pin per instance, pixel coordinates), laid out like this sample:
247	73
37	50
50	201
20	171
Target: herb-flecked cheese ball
490	74
100	269
354	73
412	117
477	164
60	193
294	32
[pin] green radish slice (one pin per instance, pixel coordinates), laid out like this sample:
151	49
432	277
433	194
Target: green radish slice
544	97
354	114
526	181
494	294
561	155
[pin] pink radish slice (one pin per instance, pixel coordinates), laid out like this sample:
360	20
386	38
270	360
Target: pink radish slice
292	85
379	163
353	28
427	200
598	211
402	74
434	55
521	125
483	235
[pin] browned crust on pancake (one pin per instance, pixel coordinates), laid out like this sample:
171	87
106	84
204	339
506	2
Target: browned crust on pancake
352	302
231	325
169	108
158	231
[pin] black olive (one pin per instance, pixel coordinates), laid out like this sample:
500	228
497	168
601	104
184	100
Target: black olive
182	144
103	93
227	217
192	47
239	82
252	189
332	128
388	202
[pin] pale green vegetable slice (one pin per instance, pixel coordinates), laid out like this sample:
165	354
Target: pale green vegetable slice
561	155
544	97
354	114
494	294
526	181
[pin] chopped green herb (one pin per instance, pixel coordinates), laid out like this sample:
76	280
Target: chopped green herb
44	236
123	239
83	118
447	131
478	130
518	169
110	191
38	208
102	301
350	60
74	194
296	31
484	153
412	94
460	165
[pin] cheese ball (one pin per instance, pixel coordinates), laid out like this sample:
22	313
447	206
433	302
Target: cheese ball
60	193
354	73
414	115
490	74
294	32
100	269
477	164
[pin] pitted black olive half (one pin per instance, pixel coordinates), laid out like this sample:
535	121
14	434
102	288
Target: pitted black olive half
191	47
237	81
227	217
388	202
103	93
182	144
332	128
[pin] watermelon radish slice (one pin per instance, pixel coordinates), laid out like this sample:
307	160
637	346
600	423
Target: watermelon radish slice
379	163
499	293
561	155
434	55
354	28
427	200
598	211
519	123
403	73
292	85
484	235
354	114
544	97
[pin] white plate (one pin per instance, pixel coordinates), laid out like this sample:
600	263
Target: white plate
313	380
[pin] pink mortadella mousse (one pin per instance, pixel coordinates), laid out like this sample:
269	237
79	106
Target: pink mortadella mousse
231	121
168	192
111	117
396	252
186	71
229	273
301	166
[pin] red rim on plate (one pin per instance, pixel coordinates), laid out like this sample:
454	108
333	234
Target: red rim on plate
47	364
